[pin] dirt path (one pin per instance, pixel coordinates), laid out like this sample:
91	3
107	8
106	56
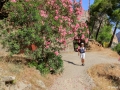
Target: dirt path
75	76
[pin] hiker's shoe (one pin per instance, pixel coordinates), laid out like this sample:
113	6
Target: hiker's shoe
82	64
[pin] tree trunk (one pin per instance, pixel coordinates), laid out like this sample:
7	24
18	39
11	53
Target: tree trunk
98	29
113	34
1	4
91	32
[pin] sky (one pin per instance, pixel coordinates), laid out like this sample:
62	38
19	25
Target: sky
85	4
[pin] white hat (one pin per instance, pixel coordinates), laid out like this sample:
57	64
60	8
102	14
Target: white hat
82	43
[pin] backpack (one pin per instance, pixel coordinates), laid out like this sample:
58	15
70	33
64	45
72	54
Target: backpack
82	50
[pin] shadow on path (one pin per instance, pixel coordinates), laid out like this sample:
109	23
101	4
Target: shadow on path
71	63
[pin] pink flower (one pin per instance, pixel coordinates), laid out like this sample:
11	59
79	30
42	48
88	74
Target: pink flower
69	32
80	2
56	53
47	47
83	36
64	42
61	21
56	11
77	49
79	18
71	10
26	0
43	14
13	1
63	33
86	40
47	43
56	17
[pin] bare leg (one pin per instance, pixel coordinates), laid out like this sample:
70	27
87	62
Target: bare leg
82	60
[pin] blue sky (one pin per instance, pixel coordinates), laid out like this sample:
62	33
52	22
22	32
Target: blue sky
85	4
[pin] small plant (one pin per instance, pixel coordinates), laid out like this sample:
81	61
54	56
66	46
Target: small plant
32	64
117	48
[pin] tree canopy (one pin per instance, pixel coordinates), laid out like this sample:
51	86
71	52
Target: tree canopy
105	11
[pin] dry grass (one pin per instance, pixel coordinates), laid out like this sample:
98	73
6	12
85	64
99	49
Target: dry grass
110	52
95	46
23	72
106	76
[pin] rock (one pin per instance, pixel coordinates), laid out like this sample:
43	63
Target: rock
1	70
2	89
8	79
41	84
22	86
2	86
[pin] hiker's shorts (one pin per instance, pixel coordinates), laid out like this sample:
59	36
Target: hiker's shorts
82	55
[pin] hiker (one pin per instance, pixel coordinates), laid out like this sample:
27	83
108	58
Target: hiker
81	52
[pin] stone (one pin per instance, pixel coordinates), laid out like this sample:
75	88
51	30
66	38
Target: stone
1	70
41	84
8	78
2	84
2	89
22	86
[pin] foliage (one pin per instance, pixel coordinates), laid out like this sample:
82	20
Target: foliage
40	27
109	8
105	34
98	16
53	65
117	48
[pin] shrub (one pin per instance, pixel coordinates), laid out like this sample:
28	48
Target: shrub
117	48
41	28
105	35
52	64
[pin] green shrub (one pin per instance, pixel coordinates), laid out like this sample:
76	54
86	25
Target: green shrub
117	48
51	64
32	64
105	34
43	68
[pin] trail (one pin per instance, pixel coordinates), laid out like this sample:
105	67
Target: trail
75	76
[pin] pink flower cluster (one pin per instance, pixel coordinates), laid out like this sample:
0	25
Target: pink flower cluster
16	0
13	1
62	31
56	53
47	44
43	14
